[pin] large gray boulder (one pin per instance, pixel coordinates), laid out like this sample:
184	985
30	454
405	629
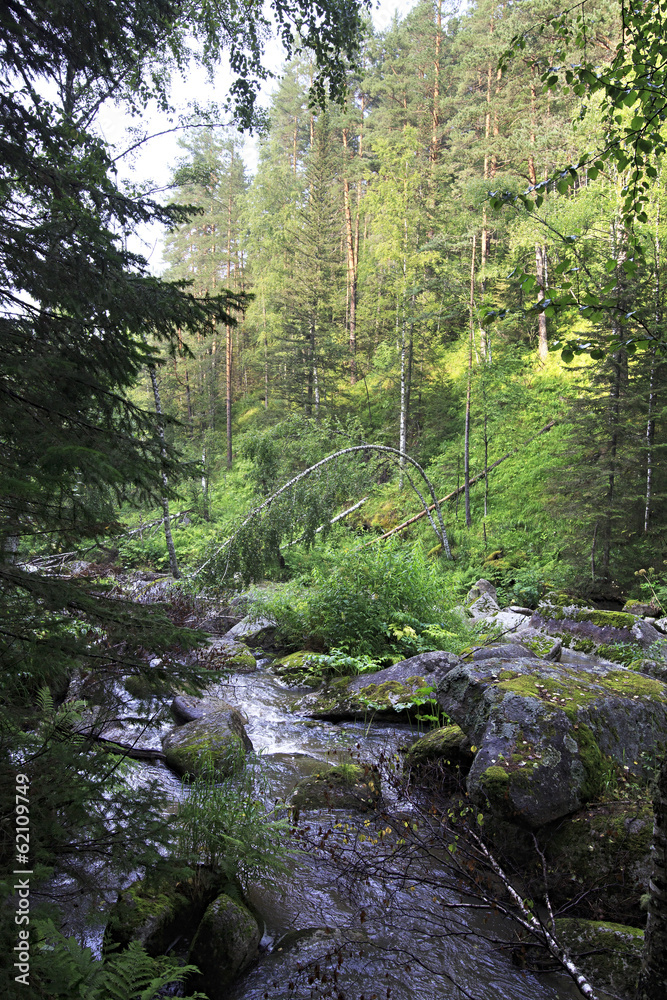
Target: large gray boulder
217	740
549	735
389	691
254	630
225	944
590	629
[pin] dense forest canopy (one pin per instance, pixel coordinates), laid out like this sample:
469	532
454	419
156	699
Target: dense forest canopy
451	273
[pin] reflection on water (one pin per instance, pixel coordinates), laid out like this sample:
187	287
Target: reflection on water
346	932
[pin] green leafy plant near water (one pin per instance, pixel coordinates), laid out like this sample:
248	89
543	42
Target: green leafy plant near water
228	827
378	602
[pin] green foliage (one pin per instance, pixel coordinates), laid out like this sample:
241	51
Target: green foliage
351	608
61	969
229	827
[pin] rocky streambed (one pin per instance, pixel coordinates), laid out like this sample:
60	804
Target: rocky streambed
548	747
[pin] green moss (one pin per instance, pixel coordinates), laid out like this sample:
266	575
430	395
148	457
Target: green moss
494	782
614	619
609	953
595	763
617	653
583	645
538	645
570	691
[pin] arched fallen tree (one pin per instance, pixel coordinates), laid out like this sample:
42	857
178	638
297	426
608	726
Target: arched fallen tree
274	528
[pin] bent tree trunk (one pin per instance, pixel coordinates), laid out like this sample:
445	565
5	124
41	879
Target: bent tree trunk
653	976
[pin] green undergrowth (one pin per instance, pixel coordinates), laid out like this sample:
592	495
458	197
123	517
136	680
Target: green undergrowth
386	603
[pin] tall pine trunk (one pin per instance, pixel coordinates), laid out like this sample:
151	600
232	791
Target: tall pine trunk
173	563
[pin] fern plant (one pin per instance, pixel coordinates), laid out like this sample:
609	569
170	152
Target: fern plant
62	969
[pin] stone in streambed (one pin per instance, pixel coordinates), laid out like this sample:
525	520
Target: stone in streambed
385	692
344	786
217	741
225	944
550	735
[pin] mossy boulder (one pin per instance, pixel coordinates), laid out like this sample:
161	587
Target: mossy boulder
225	944
218	741
644	609
227	654
155	912
608	954
344	786
599	859
394	692
294	668
599	627
447	747
254	630
186	708
550	736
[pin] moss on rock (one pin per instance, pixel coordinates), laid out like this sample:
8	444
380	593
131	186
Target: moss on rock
217	741
344	786
225	944
608	953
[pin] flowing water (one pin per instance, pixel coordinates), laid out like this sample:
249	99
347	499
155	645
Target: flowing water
356	931
363	928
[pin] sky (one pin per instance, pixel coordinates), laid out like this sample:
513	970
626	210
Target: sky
154	161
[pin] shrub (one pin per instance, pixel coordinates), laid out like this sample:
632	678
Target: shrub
351	606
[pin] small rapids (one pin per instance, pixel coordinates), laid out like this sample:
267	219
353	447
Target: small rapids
357	928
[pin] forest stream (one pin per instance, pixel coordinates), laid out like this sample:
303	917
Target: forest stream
331	935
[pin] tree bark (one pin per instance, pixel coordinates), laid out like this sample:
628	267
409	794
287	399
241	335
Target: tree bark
173	563
466	445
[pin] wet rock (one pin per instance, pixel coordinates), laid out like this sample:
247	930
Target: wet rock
218	624
254	630
295	669
345	786
448	747
225	944
185	708
227	654
217	741
154	913
387	692
608	954
549	734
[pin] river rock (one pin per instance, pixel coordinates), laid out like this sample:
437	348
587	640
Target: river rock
546	732
661	624
225	944
154	913
608	954
390	691
344	786
227	654
185	708
254	630
446	747
218	740
586	629
600	859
